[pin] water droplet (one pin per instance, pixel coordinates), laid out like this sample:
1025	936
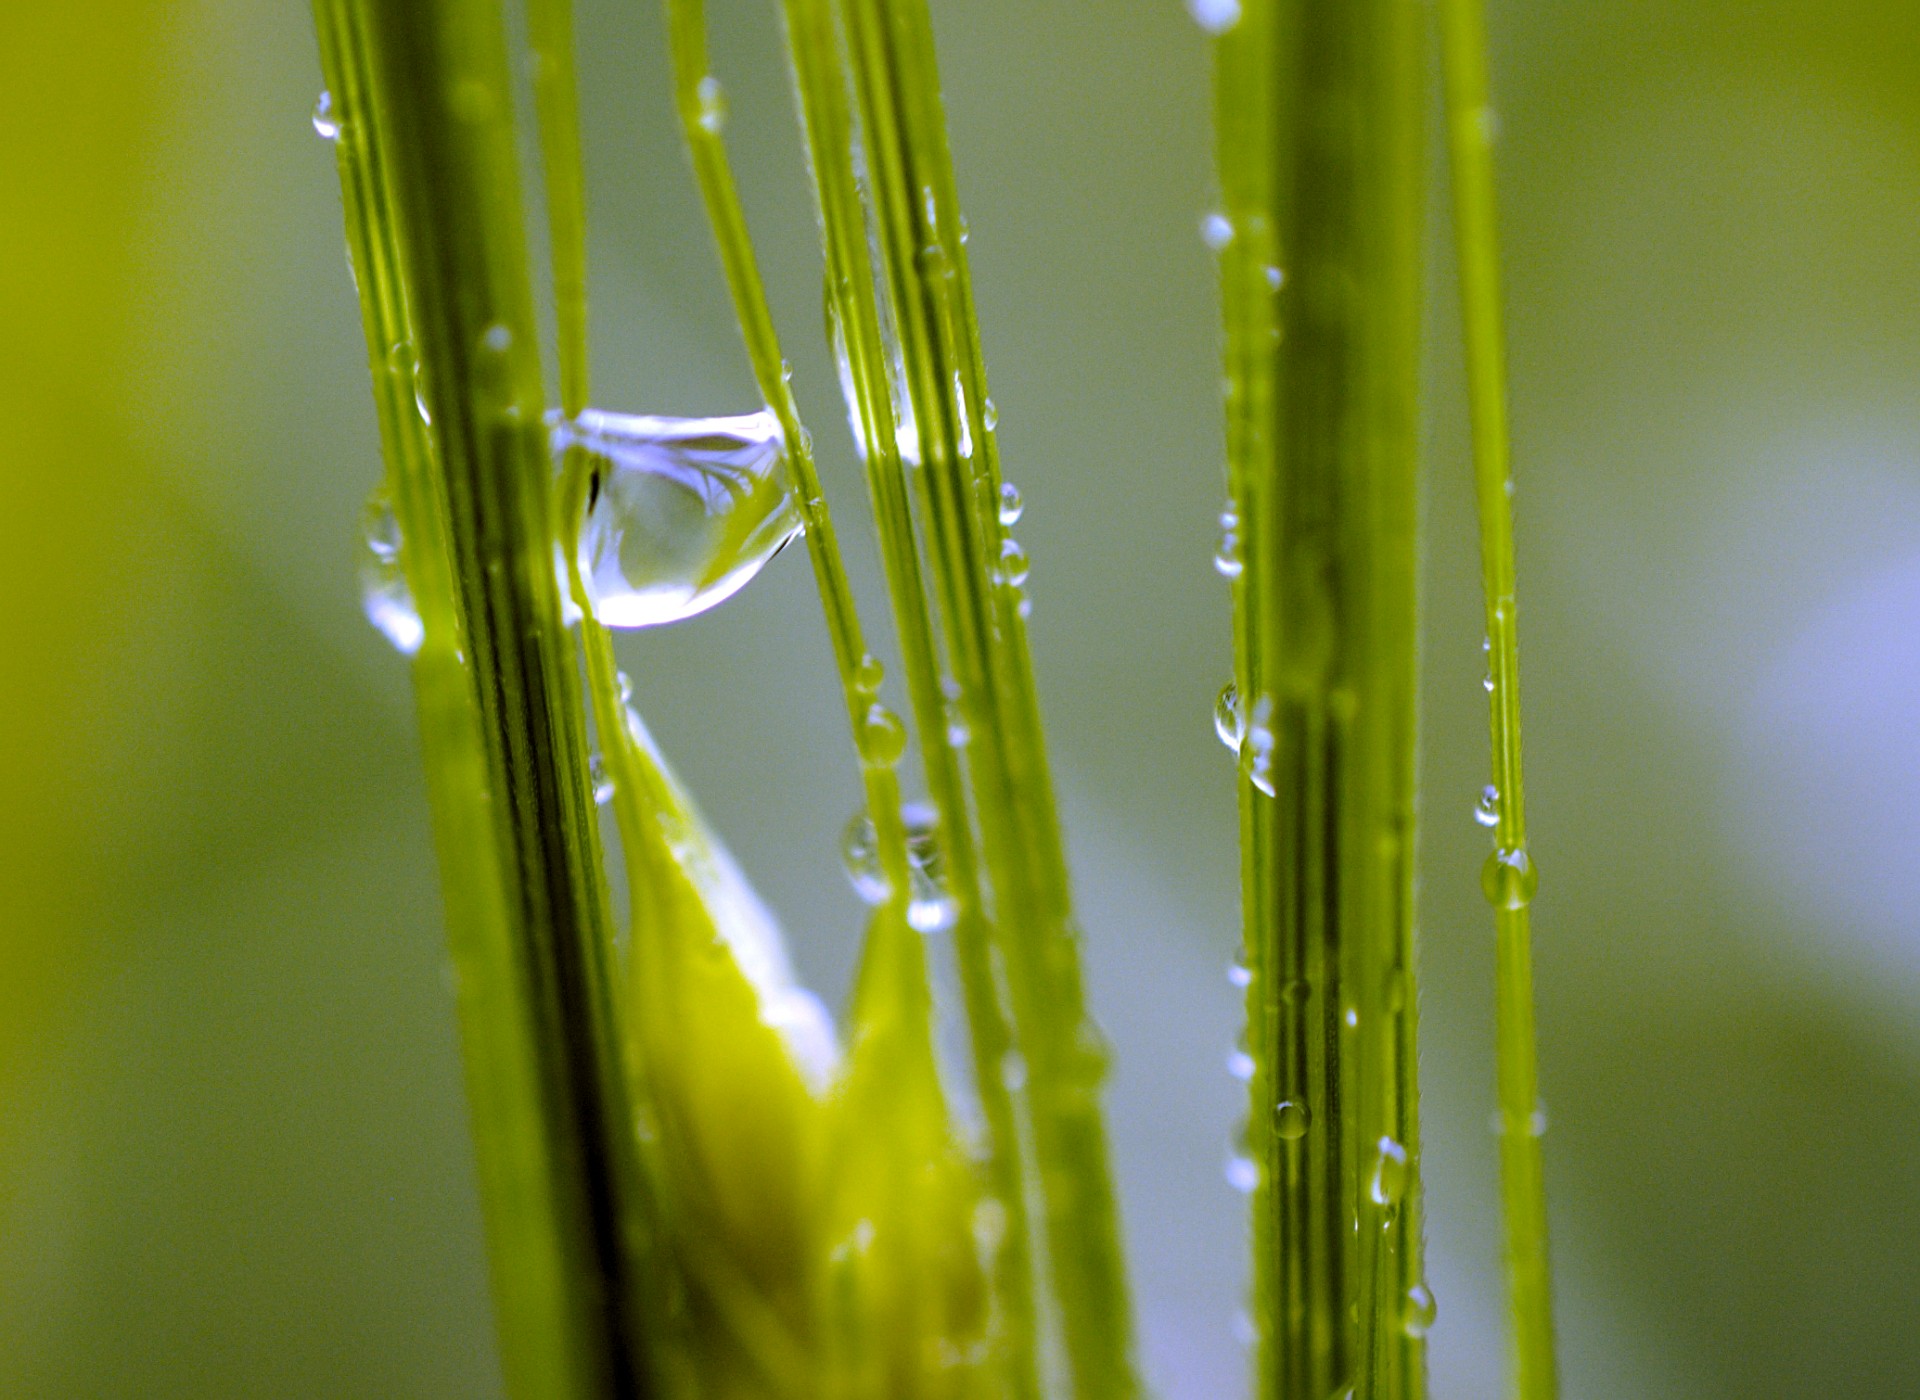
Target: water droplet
1240	1066
1487	810
688	511
325	123
1227	561
1243	1173
882	737
868	675
602	781
1215	16
1014	566
1012	507
989	415
1389	1180
1417	1311
1238	973
1229	722
1276	276
1290	1119
383	581
1013	1071
1352	1017
713	105
958	734
1259	743
1509	878
930	906
1486	684
1216	230
960	416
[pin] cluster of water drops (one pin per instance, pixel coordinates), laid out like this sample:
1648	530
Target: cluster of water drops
930	905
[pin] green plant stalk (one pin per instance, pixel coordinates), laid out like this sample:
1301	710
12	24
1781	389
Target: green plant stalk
855	328
914	215
432	216
1511	875
1319	162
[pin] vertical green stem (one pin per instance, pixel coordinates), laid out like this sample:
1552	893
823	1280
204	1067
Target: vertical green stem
1510	876
432	210
855	319
1318	235
915	218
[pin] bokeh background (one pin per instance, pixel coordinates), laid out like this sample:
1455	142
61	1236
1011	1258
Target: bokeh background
232	1143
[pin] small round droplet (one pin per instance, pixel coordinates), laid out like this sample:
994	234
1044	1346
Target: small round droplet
1240	1066
325	124
1216	230
1227	561
1215	16
1417	1311
384	593
868	675
1014	566
1243	1173
1229	720
712	100
1486	684
882	737
1276	276
1509	878
989	415
1487	810
1238	973
1389	1180
602	781
1012	507
1290	1119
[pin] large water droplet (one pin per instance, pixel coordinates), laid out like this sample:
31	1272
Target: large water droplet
686	512
1509	879
1487	810
882	737
383	581
930	906
1229	721
1417	1311
1012	507
325	123
1389	1180
1215	16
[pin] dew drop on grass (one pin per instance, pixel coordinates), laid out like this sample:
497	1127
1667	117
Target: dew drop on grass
602	780
1014	566
1290	1119
325	124
1260	742
930	907
1227	559
713	105
989	415
383	581
687	510
869	674
1509	878
1389	1180
1417	1311
1243	1173
882	737
1012	507
1238	973
1487	810
1229	722
1216	230
1215	16
1240	1066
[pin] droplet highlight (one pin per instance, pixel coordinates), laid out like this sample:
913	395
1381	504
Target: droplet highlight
1509	878
1012	507
1229	721
1487	810
325	124
1290	1119
384	594
930	904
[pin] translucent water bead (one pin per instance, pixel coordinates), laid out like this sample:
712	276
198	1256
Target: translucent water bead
930	907
383	581
687	510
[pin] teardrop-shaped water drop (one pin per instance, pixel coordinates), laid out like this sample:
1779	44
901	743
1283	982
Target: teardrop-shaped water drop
325	124
1509	879
383	581
1229	721
1014	566
1012	507
882	737
602	780
1487	810
686	512
1389	1180
1417	1311
989	415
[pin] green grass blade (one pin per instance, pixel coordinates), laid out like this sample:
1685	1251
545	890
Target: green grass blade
433	212
1318	235
1510	875
915	218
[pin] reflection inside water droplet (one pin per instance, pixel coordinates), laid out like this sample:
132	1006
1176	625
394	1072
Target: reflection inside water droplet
687	510
1487	810
930	907
383	581
325	124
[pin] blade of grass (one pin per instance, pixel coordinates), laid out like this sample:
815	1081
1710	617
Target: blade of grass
1318	131
855	326
433	213
914	214
1510	875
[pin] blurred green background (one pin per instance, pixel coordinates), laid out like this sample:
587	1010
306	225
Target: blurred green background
232	1143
